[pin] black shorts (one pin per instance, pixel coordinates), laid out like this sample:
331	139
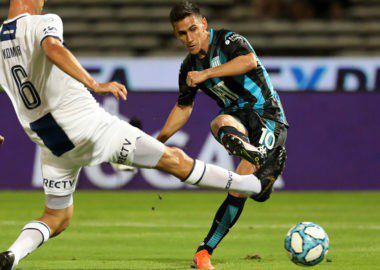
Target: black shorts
262	131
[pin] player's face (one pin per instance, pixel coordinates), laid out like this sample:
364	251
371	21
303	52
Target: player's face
192	32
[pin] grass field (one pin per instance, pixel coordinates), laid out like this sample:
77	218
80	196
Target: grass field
120	230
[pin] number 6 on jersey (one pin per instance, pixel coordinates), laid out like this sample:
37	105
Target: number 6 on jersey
26	89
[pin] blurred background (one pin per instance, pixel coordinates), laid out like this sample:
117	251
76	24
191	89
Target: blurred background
323	58
275	27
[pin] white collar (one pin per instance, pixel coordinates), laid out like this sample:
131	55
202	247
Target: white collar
17	17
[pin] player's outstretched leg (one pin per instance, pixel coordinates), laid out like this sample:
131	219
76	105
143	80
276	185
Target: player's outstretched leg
225	218
147	152
37	232
196	172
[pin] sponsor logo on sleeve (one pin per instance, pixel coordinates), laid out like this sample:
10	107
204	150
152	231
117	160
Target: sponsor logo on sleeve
233	38
50	30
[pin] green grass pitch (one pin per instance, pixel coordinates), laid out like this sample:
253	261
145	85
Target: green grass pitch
127	230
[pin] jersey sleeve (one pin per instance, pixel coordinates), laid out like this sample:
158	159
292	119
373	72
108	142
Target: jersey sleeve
236	45
50	26
186	94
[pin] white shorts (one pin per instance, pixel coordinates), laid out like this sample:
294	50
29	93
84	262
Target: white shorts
112	140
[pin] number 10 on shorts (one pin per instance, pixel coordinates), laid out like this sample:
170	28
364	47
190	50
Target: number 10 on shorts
267	139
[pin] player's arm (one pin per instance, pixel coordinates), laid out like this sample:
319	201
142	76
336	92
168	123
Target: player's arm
49	34
176	120
237	66
241	59
67	62
184	106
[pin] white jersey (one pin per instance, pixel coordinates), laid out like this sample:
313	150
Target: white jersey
34	84
59	113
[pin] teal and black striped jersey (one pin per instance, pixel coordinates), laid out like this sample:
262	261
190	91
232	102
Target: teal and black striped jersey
251	90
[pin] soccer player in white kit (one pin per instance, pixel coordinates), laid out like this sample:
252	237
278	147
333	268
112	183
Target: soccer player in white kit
49	91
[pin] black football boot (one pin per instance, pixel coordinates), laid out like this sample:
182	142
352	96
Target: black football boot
6	260
269	172
238	147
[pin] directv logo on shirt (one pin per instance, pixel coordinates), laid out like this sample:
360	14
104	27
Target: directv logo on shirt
48	183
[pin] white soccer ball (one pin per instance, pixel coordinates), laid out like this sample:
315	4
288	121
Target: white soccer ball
307	244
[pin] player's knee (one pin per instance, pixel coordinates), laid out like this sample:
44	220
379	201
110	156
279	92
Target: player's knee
216	124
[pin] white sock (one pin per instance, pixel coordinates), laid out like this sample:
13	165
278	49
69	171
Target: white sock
207	175
33	235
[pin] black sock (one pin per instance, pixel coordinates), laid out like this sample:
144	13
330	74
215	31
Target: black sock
227	215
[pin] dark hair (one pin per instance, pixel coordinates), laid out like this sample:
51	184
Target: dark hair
182	10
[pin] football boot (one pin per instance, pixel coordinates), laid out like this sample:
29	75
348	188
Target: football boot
6	260
238	147
202	260
269	172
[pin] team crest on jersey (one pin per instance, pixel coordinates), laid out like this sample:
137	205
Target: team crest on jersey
215	62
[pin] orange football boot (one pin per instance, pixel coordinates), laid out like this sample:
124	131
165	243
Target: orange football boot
202	260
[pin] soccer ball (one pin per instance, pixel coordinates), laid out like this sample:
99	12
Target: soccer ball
307	244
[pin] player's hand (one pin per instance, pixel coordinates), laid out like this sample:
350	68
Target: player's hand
196	77
1	140
115	88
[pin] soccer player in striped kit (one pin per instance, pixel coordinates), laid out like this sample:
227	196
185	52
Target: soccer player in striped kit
251	124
